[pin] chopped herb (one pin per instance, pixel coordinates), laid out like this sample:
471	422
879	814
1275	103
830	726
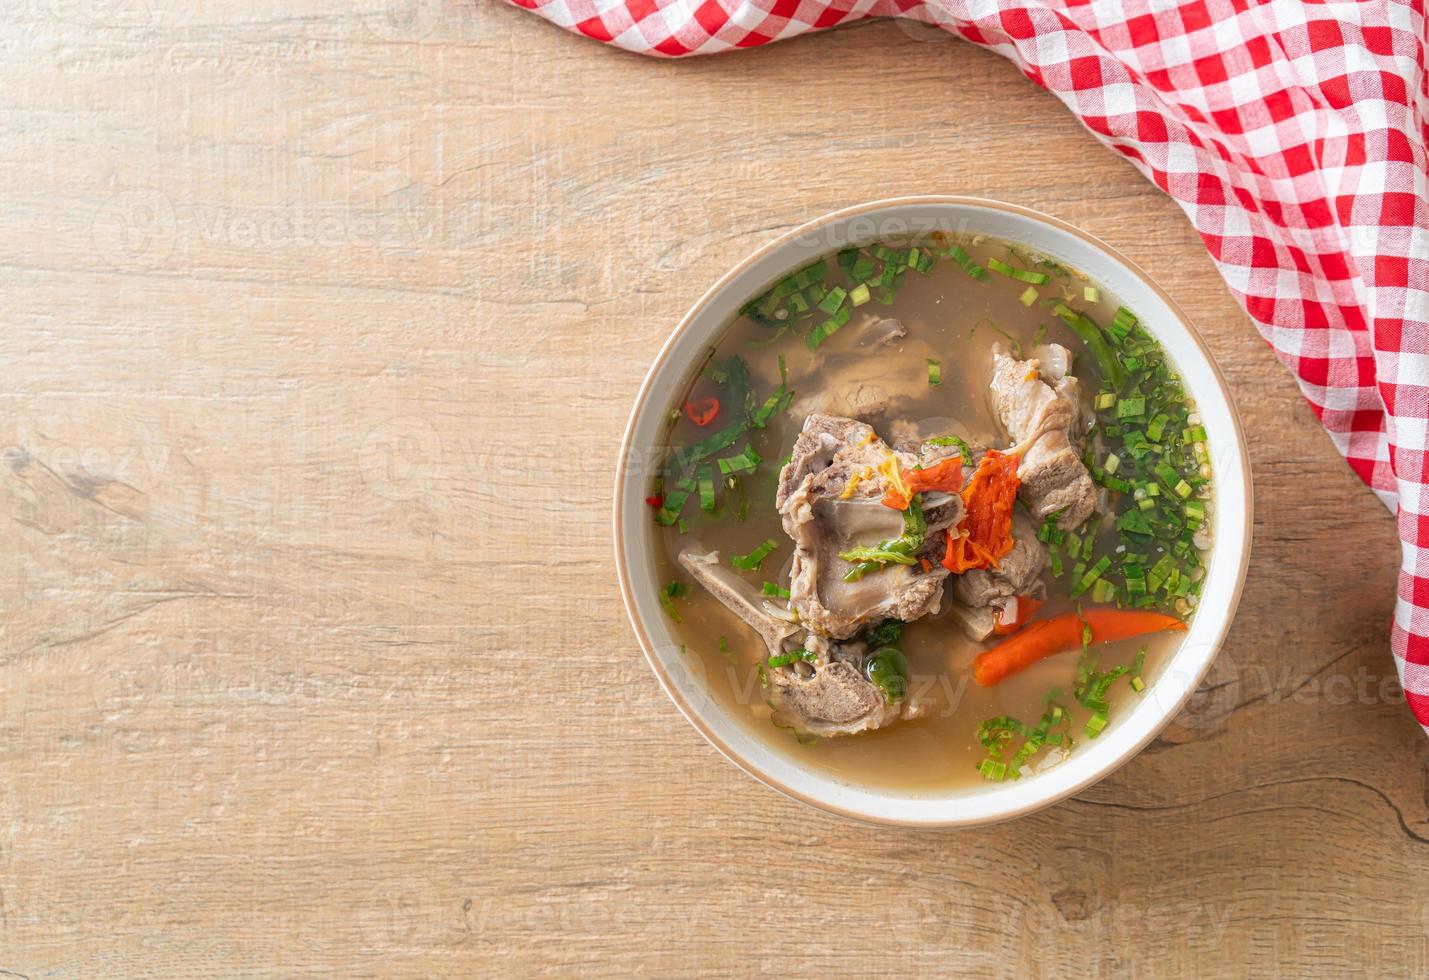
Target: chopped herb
884	634
751	561
963	448
957	254
773	589
888	668
1091	335
775	307
790	656
746	461
935	372
674	590
1021	275
707	488
900	551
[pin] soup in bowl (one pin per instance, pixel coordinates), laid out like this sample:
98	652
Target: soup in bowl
932	512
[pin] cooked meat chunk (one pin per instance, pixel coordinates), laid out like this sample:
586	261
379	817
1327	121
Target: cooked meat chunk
1017	573
908	436
876	383
978	594
832	696
884	332
739	597
829	498
850	397
1039	411
977	621
823	440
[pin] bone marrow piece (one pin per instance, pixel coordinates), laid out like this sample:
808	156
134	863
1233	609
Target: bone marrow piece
830	500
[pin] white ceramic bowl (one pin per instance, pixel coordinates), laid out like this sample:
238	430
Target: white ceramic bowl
635	534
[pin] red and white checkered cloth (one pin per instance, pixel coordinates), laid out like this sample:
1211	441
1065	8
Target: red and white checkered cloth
1292	134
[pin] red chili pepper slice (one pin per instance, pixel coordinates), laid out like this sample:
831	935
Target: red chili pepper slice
656	501
702	411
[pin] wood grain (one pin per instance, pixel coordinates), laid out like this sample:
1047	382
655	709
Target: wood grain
312	311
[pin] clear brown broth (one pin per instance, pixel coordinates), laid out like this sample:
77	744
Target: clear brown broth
949	317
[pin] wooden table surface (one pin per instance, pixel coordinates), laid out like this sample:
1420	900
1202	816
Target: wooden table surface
321	321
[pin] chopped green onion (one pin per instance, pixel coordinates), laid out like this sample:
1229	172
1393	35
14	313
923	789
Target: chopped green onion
967	264
859	294
669	594
1095	724
1091	294
745	461
1091	575
1091	335
790	656
835	298
1129	408
1105	400
751	561
1021	275
1029	296
964	449
935	372
707	489
829	327
993	770
773	589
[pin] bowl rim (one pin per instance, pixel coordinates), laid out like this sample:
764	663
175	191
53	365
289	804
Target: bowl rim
695	312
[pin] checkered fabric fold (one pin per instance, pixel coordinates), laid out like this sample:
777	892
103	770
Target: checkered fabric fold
1292	134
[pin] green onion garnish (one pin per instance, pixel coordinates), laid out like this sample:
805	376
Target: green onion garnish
751	561
967	264
707	488
935	372
833	300
790	656
1021	275
1095	724
746	461
669	594
773	589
